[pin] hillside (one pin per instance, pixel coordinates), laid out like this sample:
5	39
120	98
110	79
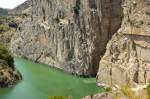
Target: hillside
3	12
24	8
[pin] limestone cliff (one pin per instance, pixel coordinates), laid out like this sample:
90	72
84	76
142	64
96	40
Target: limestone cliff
127	59
68	34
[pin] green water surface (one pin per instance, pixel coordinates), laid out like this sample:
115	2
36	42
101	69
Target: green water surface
42	82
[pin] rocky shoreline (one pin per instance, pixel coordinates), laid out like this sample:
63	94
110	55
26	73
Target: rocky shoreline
8	76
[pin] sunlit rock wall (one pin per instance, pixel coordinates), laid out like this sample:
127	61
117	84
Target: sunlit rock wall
68	34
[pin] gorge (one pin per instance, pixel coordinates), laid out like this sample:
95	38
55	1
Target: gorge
71	36
105	39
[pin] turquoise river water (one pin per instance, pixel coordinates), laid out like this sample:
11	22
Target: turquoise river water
42	82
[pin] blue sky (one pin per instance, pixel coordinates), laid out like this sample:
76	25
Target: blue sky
10	3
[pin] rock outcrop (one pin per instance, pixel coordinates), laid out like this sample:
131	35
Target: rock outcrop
68	34
127	59
9	76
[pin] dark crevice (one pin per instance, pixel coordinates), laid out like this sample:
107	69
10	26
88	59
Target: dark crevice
44	14
77	7
110	21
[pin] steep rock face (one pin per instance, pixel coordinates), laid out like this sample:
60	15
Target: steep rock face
68	34
126	60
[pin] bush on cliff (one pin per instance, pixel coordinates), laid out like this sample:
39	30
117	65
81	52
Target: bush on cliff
5	55
3	28
148	90
13	24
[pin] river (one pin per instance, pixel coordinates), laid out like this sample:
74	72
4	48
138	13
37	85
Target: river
42	82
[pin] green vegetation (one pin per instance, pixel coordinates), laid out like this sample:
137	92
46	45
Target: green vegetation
5	55
148	90
108	89
130	94
6	23
24	15
3	24
3	28
134	46
3	17
13	24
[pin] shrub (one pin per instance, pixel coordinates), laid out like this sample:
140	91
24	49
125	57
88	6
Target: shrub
24	15
3	17
3	28
148	90
13	24
130	94
5	55
108	89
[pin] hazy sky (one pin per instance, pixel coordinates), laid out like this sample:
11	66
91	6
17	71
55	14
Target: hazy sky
10	3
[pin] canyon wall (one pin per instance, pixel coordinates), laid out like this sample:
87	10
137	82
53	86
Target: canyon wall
68	34
127	58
